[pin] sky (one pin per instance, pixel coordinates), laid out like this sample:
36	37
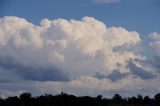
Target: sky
82	47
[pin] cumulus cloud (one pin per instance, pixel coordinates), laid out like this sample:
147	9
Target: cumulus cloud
156	42
69	53
66	43
154	47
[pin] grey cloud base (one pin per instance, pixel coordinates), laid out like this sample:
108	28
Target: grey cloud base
33	72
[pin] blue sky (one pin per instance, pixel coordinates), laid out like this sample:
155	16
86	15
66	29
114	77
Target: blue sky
139	15
83	47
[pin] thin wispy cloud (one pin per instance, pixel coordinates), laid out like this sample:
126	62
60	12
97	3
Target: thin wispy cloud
106	1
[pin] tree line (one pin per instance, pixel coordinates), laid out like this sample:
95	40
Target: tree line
64	99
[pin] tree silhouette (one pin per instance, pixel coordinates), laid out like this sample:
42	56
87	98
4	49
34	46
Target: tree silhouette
147	100
25	96
117	99
139	99
157	99
64	99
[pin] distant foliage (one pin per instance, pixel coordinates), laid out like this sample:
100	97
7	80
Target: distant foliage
64	99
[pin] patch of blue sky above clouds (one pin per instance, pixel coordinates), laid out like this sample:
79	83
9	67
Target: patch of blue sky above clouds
136	15
49	46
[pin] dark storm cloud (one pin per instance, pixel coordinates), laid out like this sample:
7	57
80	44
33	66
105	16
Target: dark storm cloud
33	72
43	74
114	76
140	71
100	76
4	81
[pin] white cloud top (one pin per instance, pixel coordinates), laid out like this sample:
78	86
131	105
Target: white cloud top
63	41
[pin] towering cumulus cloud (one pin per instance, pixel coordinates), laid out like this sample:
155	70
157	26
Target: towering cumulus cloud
70	54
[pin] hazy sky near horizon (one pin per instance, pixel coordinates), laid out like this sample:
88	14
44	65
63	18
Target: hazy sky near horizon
84	47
